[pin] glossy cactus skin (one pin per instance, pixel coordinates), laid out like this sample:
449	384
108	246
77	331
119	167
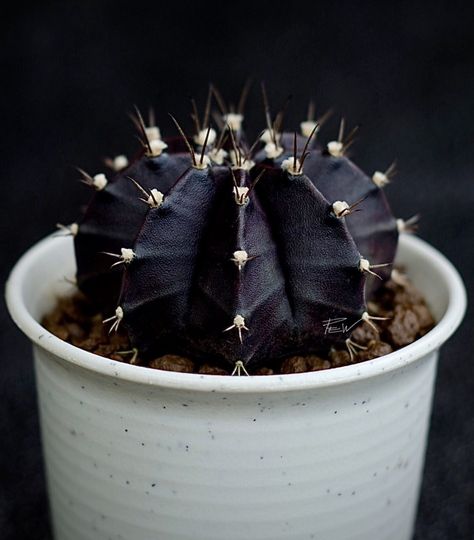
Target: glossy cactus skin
238	261
374	228
376	239
114	217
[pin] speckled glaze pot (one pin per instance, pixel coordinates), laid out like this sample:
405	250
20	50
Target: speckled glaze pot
138	454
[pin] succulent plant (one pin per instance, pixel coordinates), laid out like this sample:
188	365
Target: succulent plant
234	252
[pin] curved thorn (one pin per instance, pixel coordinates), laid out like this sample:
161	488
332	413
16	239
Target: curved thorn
142	128
325	117
244	95
304	154
195	115
205	144
254	145
220	101
238	156
268	117
340	135
185	139
352	348
139	186
254	183
207	110
277	125
151	116
294	150
311	110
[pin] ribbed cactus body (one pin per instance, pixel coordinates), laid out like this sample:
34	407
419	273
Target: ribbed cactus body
373	228
113	219
242	260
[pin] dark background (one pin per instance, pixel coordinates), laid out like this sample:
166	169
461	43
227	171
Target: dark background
71	72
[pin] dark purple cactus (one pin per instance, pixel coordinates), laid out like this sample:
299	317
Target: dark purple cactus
233	254
115	214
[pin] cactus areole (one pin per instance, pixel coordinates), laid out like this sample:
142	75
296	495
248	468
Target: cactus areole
210	248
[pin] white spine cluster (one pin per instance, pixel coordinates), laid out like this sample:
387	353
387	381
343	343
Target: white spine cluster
292	166
239	325
117	318
272	150
369	318
68	230
364	265
203	163
268	136
402	226
127	255
336	148
217	156
99	181
340	209
119	162
240	258
156	147
234	121
155	199
380	179
239	161
239	366
307	127
200	138
241	195
153	133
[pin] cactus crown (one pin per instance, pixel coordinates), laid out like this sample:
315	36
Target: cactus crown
214	248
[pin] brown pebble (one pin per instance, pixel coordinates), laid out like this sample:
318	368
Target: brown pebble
425	319
396	293
105	349
302	364
75	330
173	362
408	295
378	309
76	320
340	358
403	328
60	331
375	349
118	357
208	369
98	330
52	319
264	371
364	333
119	341
74	308
316	363
294	364
89	344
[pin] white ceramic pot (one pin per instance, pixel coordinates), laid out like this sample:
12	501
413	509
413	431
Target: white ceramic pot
138	454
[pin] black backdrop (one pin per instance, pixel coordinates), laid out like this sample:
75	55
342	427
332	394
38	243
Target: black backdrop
404	71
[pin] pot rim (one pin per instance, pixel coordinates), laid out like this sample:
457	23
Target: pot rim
224	383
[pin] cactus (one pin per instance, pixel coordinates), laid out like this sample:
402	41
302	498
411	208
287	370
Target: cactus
234	252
